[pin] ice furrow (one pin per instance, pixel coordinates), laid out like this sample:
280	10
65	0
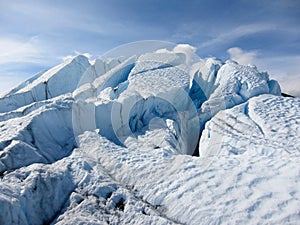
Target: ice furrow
249	115
155	208
125	186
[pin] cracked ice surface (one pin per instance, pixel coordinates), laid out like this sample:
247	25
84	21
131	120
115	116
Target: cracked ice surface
265	125
110	142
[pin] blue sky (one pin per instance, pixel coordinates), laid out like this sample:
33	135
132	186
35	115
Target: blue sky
36	35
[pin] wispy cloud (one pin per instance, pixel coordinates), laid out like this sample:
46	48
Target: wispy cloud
21	59
285	69
51	18
232	35
12	50
6	82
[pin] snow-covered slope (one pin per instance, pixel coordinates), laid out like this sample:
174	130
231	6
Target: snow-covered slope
265	125
111	142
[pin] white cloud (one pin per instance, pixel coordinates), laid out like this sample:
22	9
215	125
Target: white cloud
241	56
12	50
187	50
76	53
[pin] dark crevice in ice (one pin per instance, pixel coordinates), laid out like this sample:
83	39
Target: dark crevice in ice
196	151
60	211
164	66
197	95
120	204
287	95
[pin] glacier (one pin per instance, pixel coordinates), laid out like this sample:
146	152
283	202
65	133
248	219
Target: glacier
155	137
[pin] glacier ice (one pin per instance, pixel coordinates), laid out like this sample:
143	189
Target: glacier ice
231	85
42	130
111	142
59	80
